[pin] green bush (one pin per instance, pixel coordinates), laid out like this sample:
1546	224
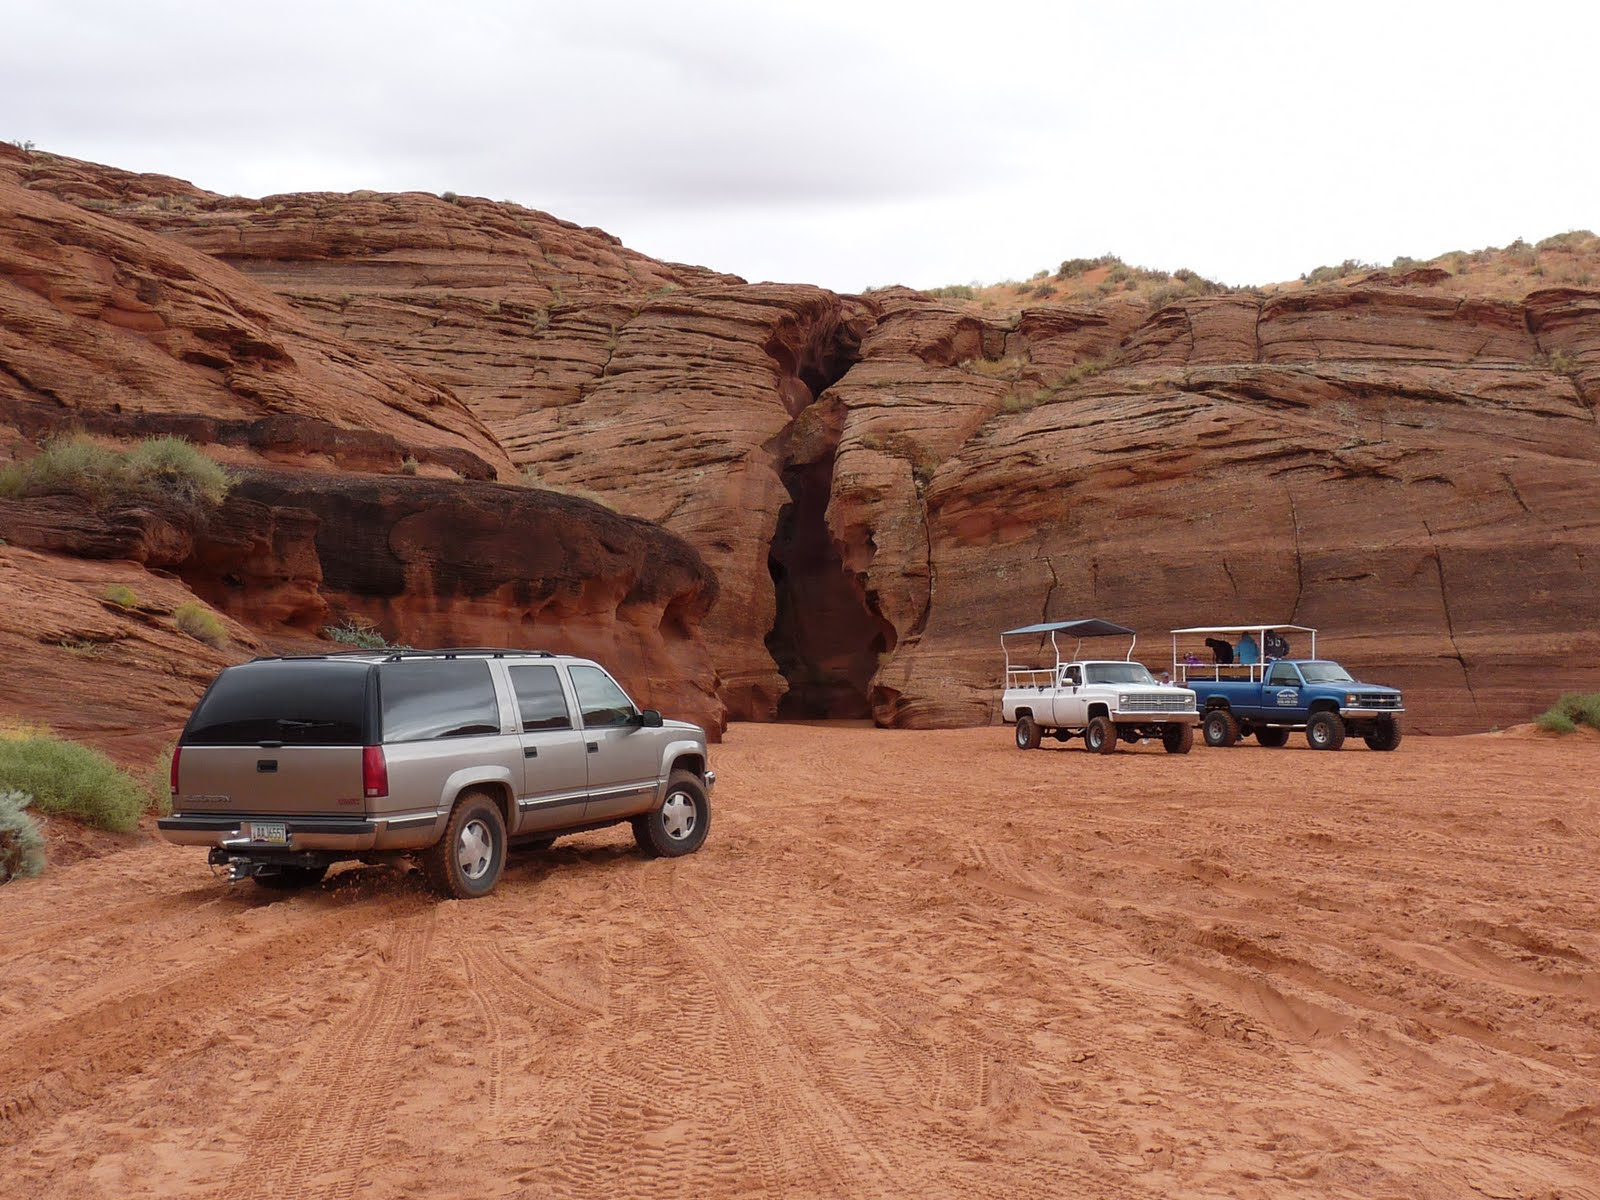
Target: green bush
1570	711
200	623
122	595
157	782
71	780
167	466
21	843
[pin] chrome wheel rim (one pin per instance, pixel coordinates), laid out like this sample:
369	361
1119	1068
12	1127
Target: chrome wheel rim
475	849
679	816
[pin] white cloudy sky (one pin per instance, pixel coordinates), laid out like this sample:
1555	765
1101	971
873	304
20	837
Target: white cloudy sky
862	143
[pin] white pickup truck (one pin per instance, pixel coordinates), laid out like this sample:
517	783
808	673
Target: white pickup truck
1103	701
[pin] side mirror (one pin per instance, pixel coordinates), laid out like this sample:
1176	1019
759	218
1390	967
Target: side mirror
650	718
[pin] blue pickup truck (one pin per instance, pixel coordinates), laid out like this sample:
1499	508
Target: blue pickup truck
1252	693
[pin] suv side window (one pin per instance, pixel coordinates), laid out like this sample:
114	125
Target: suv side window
437	698
600	699
1283	675
540	698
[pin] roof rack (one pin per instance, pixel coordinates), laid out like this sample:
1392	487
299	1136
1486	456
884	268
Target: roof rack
457	651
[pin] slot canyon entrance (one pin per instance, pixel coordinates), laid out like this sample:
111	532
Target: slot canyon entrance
826	640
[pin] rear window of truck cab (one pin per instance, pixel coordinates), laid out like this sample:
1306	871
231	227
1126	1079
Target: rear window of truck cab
295	702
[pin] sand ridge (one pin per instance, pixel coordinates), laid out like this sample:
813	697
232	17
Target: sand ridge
905	964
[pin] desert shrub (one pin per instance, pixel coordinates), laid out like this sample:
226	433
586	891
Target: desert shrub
409	465
71	780
166	465
122	595
21	843
956	291
1082	266
172	465
1570	711
200	623
360	633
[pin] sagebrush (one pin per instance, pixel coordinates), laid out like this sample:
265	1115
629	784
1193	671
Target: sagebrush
163	466
200	623
21	843
1570	711
68	779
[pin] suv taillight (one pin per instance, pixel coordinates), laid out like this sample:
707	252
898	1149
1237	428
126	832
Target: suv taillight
374	772
172	775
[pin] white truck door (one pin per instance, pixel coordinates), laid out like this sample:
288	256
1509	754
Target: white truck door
1069	704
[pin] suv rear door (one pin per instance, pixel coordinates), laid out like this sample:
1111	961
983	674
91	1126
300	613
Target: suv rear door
555	768
278	737
622	766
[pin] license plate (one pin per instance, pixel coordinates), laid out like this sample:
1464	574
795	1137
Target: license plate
274	833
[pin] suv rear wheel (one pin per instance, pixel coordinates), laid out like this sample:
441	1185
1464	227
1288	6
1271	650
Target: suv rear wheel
681	823
466	862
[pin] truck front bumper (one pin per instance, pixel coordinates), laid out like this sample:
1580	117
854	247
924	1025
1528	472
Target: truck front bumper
1155	718
1366	714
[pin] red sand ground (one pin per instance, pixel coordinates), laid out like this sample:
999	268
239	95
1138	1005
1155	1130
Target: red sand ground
915	964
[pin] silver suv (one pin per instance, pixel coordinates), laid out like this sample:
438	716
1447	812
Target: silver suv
289	765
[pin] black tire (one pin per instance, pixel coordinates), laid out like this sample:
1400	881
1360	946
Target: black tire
1221	728
1029	735
1101	736
680	825
1386	736
1272	736
1178	739
1325	731
466	862
291	879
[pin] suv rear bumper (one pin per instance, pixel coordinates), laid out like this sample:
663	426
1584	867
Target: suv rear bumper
303	833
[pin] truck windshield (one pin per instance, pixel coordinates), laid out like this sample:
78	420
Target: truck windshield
1121	672
1325	672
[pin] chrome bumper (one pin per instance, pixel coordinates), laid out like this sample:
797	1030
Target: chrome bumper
1156	718
1361	714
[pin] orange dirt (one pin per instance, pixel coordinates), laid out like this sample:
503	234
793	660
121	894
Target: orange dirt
906	964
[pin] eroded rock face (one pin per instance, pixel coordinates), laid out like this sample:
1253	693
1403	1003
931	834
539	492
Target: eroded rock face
442	563
882	483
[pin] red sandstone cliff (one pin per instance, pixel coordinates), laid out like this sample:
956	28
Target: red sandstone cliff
881	483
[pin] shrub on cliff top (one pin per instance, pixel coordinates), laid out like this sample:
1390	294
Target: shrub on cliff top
21	843
71	780
167	466
1570	711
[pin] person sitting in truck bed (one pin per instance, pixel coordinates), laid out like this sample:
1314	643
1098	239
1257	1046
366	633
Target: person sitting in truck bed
1277	645
1249	652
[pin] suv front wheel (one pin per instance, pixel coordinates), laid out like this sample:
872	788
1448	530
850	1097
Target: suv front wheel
466	862
681	823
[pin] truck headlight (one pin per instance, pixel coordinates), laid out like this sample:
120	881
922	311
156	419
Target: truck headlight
1349	698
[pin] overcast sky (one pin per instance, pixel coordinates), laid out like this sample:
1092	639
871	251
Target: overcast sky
862	143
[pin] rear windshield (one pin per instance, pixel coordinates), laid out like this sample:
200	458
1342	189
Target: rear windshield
298	702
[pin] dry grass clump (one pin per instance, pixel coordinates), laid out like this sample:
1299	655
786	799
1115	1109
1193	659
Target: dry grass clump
163	466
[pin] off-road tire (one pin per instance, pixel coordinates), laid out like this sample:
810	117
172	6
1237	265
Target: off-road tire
1386	736
467	861
291	879
1101	736
1325	731
1029	735
1221	728
1274	737
680	825
1178	739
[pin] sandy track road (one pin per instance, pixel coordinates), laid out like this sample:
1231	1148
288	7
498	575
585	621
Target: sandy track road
905	964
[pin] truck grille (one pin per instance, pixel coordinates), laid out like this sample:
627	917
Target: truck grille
1156	703
1375	700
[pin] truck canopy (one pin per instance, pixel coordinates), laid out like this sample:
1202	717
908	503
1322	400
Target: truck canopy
1089	627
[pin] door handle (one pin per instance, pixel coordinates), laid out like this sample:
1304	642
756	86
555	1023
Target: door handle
594	747
530	752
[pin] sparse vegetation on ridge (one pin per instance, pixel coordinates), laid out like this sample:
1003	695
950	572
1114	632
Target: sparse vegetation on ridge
122	595
1570	711
67	779
166	466
200	623
360	633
